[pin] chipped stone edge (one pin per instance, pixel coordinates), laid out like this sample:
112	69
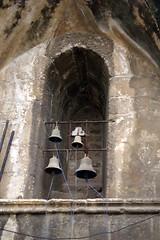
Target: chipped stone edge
98	206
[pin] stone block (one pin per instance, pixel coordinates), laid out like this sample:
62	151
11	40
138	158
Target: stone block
120	87
121	105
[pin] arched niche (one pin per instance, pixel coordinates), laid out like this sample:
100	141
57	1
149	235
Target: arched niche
77	90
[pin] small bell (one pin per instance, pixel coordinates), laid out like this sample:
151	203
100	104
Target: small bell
77	143
55	136
53	166
85	169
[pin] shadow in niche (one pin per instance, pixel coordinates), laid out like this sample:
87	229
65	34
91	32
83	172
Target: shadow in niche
76	89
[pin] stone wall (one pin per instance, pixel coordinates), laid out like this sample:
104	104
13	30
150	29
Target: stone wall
81	70
131	100
85	219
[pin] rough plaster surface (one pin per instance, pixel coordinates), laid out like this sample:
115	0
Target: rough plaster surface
19	93
32	86
36	23
81	225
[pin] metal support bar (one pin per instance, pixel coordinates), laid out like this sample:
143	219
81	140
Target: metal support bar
74	122
6	154
4	134
82	150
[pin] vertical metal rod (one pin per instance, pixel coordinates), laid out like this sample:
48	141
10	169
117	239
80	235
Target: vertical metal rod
70	133
86	138
76	180
69	145
6	154
4	134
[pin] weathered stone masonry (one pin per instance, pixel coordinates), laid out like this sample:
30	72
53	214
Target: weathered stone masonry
118	82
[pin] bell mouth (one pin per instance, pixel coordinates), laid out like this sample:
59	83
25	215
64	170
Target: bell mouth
55	139
77	145
53	171
85	174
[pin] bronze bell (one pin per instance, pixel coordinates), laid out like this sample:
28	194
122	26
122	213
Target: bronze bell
55	136
53	166
85	169
77	143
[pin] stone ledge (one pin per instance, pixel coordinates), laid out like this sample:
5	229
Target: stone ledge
99	206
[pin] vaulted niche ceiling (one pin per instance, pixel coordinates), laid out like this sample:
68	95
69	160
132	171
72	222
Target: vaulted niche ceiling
83	82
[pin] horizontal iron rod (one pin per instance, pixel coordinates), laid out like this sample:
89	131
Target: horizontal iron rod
70	149
73	122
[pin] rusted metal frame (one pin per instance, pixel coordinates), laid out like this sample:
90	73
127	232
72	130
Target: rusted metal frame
73	122
70	149
86	137
4	134
70	127
69	131
69	143
6	154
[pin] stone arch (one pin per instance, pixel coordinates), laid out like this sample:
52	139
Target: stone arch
76	86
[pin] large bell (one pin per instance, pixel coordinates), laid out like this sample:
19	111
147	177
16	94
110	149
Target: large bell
85	169
55	136
77	143
53	166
